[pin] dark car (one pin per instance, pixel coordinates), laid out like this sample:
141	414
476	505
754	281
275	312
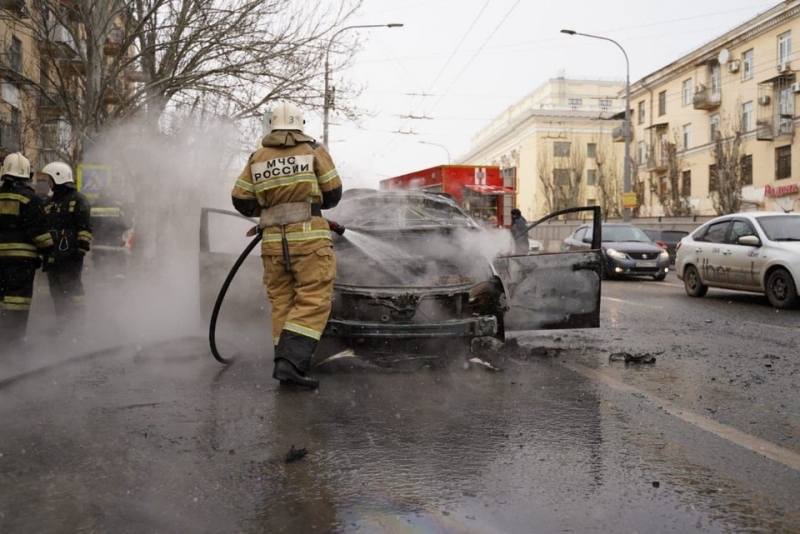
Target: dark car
413	266
666	239
627	251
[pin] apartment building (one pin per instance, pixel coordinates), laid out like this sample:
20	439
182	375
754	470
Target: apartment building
43	76
742	85
555	146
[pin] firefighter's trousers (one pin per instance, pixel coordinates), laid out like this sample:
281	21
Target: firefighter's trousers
300	299
16	293
66	288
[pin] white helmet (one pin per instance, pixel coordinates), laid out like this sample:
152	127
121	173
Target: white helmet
286	116
17	165
59	172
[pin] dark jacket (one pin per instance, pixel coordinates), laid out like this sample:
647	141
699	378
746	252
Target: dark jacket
68	214
23	228
520	236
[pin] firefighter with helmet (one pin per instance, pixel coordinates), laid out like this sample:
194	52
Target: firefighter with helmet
287	183
24	236
68	215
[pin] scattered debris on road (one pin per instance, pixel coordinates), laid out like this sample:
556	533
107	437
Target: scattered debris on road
295	454
627	357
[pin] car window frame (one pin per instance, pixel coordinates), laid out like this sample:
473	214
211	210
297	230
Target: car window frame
730	240
702	237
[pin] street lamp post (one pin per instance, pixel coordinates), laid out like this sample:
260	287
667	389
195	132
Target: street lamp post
626	170
437	144
327	99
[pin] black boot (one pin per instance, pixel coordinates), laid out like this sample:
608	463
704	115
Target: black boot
293	360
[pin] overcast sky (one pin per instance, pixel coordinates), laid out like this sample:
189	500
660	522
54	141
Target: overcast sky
462	62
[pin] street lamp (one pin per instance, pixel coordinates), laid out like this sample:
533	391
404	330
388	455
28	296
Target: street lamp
437	144
626	173
327	99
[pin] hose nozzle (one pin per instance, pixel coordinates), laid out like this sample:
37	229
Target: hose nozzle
336	227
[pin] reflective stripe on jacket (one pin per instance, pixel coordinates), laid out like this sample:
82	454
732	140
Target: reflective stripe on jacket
23	228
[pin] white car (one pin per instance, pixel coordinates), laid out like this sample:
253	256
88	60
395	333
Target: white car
753	251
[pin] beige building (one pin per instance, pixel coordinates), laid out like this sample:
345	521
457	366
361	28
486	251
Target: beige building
741	85
555	146
43	77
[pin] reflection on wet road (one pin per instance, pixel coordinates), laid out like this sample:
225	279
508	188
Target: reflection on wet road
164	439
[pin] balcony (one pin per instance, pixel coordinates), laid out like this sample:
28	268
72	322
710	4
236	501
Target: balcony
59	43
113	93
17	7
618	134
47	108
657	158
112	45
707	99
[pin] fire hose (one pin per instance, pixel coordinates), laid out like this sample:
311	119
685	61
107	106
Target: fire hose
212	327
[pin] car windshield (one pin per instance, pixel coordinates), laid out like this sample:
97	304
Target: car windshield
398	210
624	233
781	227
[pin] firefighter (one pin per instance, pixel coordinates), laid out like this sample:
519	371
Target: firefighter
68	215
23	237
287	183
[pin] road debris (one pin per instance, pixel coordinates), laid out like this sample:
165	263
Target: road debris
627	357
295	454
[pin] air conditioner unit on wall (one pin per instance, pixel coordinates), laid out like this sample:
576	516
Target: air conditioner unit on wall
795	87
764	100
733	66
783	67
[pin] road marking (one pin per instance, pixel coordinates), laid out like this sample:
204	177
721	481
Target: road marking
748	441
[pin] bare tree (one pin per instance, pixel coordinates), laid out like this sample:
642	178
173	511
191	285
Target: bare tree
105	60
727	177
669	188
608	183
561	166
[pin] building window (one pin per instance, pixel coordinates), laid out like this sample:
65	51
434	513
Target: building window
783	162
642	152
591	177
591	150
686	92
748	64
785	47
714	123
641	112
561	177
605	105
747	116
15	54
686	183
785	111
662	103
591	202
747	170
561	150
575	102
715	75
687	136
713	180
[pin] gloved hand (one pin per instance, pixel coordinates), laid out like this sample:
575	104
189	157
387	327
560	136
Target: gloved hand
83	246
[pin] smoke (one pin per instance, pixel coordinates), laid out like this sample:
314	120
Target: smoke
162	181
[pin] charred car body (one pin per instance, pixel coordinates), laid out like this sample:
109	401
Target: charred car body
413	266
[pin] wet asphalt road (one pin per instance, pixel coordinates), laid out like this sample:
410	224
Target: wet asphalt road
150	434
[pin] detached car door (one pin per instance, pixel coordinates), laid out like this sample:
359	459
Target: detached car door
223	238
554	290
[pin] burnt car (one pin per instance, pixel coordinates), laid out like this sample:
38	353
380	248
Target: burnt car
414	266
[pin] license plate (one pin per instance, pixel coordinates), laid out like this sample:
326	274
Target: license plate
645	264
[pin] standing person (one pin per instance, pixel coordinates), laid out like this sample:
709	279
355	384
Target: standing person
23	236
288	182
68	215
519	232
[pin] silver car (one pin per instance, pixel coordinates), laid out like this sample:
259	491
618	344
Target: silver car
753	251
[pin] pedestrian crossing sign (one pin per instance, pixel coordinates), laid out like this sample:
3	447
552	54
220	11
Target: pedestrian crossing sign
92	179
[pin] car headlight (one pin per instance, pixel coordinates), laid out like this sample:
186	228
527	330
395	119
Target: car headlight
664	255
617	255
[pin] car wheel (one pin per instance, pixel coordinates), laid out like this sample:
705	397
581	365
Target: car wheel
660	277
691	281
781	290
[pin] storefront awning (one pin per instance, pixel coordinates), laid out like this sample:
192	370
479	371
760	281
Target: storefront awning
490	189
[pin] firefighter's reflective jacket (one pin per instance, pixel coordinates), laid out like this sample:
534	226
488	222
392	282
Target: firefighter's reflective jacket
23	228
290	167
68	214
